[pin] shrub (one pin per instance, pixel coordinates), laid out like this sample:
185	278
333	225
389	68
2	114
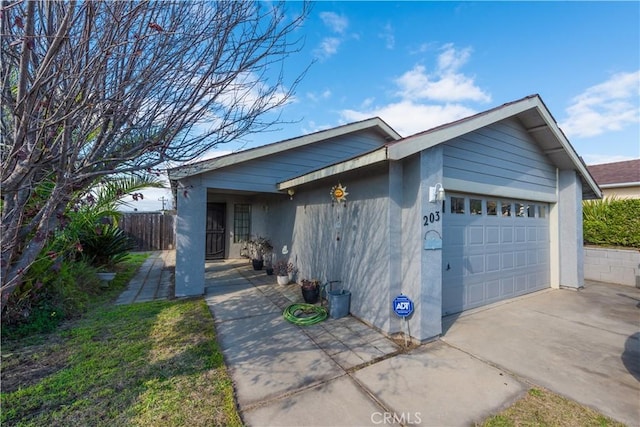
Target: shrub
104	246
53	290
612	222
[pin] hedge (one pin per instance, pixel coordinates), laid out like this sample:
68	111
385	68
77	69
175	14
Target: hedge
612	222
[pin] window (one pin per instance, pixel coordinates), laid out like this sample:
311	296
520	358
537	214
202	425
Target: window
492	207
542	211
241	222
506	208
475	206
521	210
531	211
457	205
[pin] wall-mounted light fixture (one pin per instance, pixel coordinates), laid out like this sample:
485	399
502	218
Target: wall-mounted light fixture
436	194
291	192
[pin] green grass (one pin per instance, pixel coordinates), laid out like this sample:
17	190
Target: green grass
76	290
148	364
543	408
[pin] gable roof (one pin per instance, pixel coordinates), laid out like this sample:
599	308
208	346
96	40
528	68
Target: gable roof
204	166
616	174
531	111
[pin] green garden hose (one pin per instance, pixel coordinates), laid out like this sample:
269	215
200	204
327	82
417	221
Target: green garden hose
305	314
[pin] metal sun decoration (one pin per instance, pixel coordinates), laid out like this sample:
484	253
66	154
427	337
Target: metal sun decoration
339	194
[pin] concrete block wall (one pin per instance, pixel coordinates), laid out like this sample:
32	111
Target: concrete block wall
621	266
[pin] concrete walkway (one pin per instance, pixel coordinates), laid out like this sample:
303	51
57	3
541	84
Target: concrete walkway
583	345
154	279
339	372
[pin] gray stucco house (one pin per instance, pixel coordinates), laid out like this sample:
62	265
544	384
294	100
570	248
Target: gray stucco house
508	222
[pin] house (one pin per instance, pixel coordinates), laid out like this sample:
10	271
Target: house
463	215
618	179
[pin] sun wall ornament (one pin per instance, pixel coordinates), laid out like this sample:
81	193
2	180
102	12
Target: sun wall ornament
339	193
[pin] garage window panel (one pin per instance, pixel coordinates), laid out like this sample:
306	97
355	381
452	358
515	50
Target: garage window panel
531	211
542	211
475	206
492	208
506	208
457	205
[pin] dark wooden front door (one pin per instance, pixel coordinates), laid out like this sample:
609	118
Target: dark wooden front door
215	230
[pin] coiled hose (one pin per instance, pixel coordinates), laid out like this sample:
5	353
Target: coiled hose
305	314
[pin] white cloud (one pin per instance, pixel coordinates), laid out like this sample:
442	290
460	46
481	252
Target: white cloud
427	99
312	127
388	36
336	23
315	97
609	106
445	84
417	84
597	159
451	59
328	47
408	117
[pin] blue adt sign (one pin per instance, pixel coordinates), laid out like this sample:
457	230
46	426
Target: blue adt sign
403	306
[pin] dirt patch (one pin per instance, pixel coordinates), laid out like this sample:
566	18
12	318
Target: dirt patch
29	365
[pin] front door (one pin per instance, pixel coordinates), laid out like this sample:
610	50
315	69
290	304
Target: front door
215	230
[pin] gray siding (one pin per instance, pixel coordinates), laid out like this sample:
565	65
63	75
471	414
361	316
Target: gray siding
263	174
503	155
309	225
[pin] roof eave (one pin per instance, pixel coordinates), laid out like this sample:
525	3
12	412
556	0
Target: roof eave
367	159
277	147
428	139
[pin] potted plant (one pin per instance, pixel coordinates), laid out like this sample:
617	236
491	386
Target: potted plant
105	246
256	249
310	290
283	270
268	268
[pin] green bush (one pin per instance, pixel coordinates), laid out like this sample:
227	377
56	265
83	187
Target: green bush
104	246
612	222
56	290
53	290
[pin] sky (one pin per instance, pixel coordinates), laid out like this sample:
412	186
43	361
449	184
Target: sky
422	64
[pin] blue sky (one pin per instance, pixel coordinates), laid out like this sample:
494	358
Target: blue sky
421	64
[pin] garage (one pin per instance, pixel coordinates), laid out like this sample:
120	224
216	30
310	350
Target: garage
493	249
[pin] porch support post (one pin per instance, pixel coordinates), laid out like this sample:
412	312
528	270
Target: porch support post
570	239
190	238
430	310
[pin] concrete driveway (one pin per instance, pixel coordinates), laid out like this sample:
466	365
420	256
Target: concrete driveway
581	344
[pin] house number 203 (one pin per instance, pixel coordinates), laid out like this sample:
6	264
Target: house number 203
431	218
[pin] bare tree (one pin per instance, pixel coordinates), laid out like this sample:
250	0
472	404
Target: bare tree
96	88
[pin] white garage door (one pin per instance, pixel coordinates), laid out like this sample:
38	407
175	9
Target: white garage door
493	249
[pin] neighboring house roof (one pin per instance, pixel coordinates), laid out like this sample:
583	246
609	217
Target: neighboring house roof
531	111
617	174
204	166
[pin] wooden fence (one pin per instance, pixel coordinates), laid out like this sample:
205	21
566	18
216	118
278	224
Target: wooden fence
149	231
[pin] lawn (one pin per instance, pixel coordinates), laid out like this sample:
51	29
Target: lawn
541	407
146	364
